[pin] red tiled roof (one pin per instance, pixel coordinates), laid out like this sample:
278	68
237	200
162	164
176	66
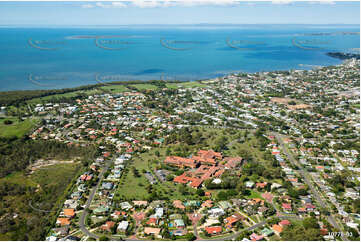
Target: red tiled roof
209	154
152	221
324	231
180	161
183	179
178	204
233	219
232	162
261	184
196	183
277	228
207	203
63	221
213	229
268	196
309	205
284	222
256	237
69	212
286	206
149	230
302	210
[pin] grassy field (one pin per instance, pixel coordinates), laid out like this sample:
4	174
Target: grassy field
65	95
136	187
144	86
17	128
115	88
44	189
131	186
255	194
185	85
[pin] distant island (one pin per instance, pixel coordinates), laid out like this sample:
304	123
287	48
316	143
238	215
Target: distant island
343	56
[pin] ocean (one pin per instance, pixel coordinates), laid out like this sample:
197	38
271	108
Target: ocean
48	58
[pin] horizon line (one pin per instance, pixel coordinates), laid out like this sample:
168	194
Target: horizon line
175	24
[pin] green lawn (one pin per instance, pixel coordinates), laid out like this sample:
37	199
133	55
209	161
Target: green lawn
185	85
147	86
65	95
144	86
255	194
136	187
131	186
115	88
17	128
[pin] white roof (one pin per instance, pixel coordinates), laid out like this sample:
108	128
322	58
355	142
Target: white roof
123	225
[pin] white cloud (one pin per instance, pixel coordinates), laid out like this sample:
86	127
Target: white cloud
111	5
87	6
208	2
147	4
327	2
162	3
281	2
119	4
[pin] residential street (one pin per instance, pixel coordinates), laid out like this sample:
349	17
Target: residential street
306	176
90	199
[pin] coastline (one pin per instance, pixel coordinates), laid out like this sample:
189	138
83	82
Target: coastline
16	96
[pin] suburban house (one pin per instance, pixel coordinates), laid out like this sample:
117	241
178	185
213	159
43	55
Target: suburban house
108	226
152	231
256	237
277	229
62	221
69	212
231	220
213	230
123	226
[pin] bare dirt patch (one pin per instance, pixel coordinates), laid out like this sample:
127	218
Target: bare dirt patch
44	163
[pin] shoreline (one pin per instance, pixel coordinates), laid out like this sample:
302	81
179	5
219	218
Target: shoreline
21	96
219	74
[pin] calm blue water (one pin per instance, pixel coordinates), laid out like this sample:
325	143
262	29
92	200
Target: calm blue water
40	58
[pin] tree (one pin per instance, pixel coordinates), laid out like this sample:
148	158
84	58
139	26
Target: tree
183	189
104	238
168	151
220	144
157	153
200	192
8	122
299	233
309	223
190	237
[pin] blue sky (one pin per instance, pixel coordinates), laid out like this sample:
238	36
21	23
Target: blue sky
178	12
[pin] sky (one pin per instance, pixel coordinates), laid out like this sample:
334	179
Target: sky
178	12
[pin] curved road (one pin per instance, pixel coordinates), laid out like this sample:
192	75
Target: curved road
40	210
88	202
